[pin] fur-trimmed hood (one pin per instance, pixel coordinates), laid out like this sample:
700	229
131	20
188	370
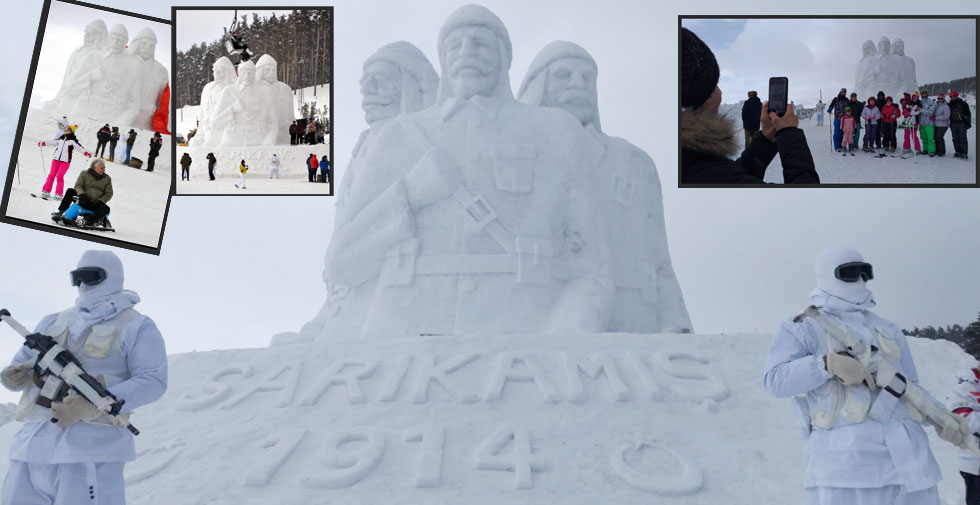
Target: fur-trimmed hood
707	133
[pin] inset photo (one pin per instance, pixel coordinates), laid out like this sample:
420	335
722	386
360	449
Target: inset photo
92	153
254	101
880	102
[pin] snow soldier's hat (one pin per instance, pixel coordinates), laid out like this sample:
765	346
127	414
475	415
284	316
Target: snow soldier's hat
119	29
477	15
266	60
410	60
699	70
532	88
145	33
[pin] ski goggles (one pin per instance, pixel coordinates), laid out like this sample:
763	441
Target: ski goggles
87	275
853	272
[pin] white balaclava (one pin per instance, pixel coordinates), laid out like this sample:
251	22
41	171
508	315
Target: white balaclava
827	282
90	296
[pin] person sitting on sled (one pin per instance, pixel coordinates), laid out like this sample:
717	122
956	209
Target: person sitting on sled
93	189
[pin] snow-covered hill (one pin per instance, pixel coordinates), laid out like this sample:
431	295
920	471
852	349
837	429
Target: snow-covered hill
485	420
139	200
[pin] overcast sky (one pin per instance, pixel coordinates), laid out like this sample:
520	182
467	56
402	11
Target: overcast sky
197	26
822	54
64	33
235	270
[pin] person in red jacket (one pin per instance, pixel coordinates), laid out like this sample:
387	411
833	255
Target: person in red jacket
889	122
312	164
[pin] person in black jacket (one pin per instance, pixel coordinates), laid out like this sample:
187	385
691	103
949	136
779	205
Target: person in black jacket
959	123
837	106
751	110
156	142
708	139
880	104
103	140
857	107
212	161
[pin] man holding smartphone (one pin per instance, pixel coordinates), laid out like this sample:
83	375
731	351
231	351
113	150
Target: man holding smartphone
708	139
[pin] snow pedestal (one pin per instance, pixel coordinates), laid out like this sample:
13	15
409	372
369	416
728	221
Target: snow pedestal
513	419
292	160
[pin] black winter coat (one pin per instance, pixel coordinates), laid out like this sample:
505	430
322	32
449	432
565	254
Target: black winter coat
707	142
959	112
751	111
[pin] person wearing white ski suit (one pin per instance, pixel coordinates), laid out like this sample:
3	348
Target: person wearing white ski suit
80	460
868	450
273	167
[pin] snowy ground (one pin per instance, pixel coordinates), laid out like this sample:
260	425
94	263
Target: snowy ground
254	185
865	168
139	200
672	419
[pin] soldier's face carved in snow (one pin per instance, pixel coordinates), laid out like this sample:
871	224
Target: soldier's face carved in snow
248	76
571	85
472	61
90	36
381	91
145	48
899	47
883	46
116	43
220	73
868	48
267	73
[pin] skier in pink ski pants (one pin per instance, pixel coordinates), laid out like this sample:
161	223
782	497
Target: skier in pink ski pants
60	162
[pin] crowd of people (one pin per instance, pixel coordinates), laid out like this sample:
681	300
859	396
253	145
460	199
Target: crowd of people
923	119
313	166
109	137
312	133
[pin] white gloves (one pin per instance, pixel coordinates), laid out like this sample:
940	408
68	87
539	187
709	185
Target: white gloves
955	430
72	409
848	370
16	377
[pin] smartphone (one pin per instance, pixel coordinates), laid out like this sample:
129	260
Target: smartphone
778	95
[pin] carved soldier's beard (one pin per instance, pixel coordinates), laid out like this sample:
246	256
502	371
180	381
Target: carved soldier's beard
473	75
578	102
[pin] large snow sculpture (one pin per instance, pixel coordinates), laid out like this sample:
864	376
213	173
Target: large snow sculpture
254	110
245	114
648	298
104	82
397	79
473	215
94	40
282	97
885	68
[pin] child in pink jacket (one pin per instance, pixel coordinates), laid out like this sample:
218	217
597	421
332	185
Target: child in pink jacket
847	125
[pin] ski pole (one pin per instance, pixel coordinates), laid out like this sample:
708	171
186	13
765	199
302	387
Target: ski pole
41	152
18	173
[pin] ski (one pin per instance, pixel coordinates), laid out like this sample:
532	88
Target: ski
41	197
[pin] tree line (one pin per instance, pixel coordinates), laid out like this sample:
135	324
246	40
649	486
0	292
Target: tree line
301	42
962	85
967	338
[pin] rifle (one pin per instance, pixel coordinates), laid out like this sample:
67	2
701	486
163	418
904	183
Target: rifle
60	371
914	397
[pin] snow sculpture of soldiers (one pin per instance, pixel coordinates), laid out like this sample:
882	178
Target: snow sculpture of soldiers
282	106
478	215
94	41
153	77
209	133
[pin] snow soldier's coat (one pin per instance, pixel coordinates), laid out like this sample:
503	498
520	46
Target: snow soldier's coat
648	297
480	219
